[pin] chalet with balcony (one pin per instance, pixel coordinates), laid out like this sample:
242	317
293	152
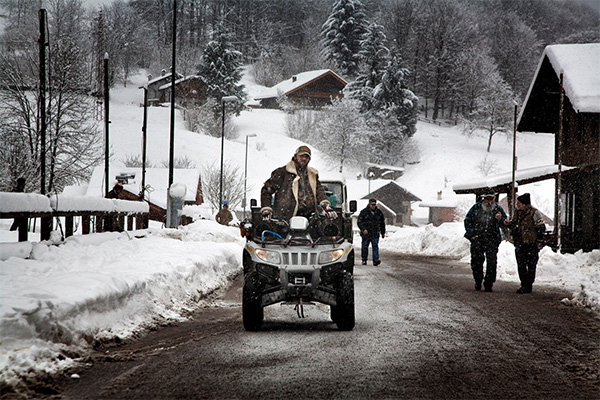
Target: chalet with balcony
311	89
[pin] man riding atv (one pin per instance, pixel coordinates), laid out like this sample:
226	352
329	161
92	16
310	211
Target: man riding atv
298	248
294	189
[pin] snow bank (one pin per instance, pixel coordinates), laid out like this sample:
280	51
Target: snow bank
104	287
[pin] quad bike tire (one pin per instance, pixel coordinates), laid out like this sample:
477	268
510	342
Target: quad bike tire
349	266
252	310
343	313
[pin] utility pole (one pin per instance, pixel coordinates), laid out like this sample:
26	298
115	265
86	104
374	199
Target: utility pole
558	221
106	122
45	223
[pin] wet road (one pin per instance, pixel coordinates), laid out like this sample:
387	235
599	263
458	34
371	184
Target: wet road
421	332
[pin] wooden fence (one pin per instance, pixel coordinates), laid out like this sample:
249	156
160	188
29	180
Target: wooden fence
96	215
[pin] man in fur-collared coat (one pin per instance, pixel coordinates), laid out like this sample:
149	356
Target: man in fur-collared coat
296	189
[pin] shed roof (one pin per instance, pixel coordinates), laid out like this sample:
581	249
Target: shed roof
392	195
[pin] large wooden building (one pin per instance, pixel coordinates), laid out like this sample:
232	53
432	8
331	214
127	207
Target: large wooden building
564	99
307	89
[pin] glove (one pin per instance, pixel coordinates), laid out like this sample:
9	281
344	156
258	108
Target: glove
267	213
328	211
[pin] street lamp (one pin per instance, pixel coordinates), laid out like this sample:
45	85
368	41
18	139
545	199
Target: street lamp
371	175
248	135
225	99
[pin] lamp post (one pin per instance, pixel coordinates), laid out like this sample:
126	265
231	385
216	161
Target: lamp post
370	176
225	99
248	135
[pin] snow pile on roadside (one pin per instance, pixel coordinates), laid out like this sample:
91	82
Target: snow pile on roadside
106	287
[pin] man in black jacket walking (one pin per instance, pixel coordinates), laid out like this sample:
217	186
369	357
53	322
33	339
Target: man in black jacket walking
371	223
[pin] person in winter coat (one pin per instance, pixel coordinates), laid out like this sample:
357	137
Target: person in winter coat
527	228
371	224
482	229
295	190
224	216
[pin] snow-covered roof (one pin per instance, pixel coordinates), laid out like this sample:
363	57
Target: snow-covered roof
579	64
383	166
156	178
295	82
521	176
178	81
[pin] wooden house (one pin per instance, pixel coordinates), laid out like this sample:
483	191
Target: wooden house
189	91
395	203
564	99
378	171
311	89
440	210
154	87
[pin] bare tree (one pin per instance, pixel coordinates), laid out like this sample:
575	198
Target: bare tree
344	132
233	184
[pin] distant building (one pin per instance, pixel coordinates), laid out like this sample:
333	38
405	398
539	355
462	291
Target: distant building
189	91
154	87
440	211
378	171
157	183
307	89
395	203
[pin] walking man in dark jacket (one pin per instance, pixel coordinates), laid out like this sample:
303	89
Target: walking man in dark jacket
371	223
482	226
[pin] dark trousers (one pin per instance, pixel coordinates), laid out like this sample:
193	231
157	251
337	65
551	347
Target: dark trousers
527	256
364	250
484	251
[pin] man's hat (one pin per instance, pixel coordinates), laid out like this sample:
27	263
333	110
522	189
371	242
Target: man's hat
524	199
303	150
372	201
224	203
488	193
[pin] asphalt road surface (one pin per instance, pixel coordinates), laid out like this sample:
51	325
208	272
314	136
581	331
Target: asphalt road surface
422	332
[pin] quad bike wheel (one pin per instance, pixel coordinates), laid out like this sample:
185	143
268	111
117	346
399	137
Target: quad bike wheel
252	310
343	313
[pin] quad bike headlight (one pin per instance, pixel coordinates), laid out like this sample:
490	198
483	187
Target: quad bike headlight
327	257
271	257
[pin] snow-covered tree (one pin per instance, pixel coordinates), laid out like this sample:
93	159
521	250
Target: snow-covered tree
343	132
341	35
374	56
221	69
395	100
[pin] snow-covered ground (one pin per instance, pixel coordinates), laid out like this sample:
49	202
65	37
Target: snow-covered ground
55	304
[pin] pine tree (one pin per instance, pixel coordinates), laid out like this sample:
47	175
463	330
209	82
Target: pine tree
221	70
393	97
374	57
341	35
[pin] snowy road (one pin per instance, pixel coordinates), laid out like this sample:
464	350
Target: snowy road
421	332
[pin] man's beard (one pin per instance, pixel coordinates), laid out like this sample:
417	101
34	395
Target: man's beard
487	207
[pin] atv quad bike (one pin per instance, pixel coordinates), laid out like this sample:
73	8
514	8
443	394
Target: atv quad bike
298	262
